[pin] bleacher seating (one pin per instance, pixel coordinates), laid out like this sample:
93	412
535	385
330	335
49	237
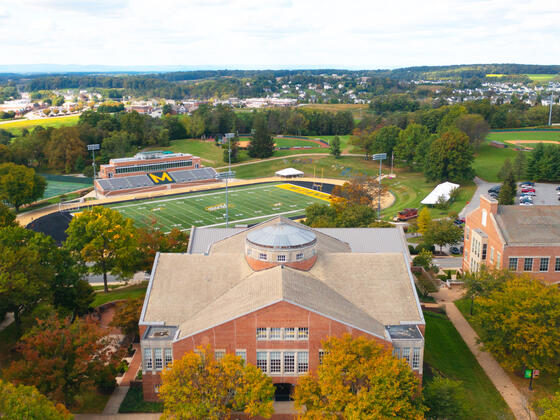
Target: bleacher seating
141	181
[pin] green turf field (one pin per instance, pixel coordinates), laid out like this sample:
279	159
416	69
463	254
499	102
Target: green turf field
16	127
249	204
59	184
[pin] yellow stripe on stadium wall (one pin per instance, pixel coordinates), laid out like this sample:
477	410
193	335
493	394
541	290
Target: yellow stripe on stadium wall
305	191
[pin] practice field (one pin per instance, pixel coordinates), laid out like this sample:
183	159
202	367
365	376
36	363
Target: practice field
247	205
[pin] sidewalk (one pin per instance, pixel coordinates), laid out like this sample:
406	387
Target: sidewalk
513	398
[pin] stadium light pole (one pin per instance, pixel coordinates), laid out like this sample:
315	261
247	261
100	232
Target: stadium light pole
229	172
550	111
93	148
380	157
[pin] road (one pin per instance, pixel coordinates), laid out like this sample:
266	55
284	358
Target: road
482	188
446	263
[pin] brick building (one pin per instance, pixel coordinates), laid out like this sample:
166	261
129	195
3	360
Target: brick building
525	239
273	292
147	162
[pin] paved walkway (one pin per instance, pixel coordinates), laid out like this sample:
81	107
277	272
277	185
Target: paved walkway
513	398
7	320
116	400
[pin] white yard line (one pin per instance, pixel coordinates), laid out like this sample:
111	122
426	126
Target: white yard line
255	218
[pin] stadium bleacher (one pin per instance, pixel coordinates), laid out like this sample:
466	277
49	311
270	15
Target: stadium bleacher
143	181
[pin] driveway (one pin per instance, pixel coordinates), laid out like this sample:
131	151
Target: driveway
447	263
482	188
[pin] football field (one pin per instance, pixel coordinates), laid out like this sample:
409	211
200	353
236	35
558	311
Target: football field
247	205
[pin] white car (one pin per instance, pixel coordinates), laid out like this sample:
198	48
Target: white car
526	203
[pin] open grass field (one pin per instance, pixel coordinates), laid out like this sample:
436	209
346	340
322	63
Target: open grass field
533	77
290	142
130	292
249	204
16	127
488	161
447	354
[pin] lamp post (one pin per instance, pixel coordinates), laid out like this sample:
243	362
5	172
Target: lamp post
380	157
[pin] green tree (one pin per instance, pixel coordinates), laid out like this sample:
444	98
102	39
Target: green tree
505	170
385	139
64	148
335	147
234	144
445	399
7	217
482	282
508	191
61	357
519	323
20	185
450	158
550	407
519	165
443	232
423	259
105	240
199	386
358	379
409	139
262	143
25	402
424	220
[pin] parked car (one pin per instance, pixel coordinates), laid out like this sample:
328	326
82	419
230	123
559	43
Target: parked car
495	188
558	188
528	189
526	203
528	193
525	200
526	184
456	249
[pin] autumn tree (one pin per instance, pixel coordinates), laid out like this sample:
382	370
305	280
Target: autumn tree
61	357
64	148
358	191
127	316
357	379
34	269
335	147
474	126
199	386
7	217
152	240
262	143
20	185
424	220
105	240
519	323
450	158
19	402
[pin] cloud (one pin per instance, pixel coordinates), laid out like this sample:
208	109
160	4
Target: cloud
88	7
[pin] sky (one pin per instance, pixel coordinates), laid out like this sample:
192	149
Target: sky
354	34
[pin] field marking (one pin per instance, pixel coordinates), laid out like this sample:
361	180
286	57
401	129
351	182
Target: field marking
254	218
305	191
144	201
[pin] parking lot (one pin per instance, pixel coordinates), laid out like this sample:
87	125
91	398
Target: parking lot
545	194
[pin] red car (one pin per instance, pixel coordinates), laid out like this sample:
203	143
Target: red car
526	190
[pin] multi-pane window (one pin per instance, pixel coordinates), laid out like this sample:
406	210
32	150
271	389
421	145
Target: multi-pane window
148	358
557	264
396	352
484	249
261	333
513	264
280	258
167	354
303	333
262	257
416	358
406	354
528	264
219	355
275	334
242	354
321	355
262	360
289	362
289	333
499	260
158	359
544	264
275	362
299	256
153	167
302	361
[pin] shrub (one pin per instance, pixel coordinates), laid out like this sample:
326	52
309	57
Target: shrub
412	250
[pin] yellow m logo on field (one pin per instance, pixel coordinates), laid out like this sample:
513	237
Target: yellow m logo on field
161	178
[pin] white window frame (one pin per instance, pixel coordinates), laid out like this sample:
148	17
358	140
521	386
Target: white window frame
219	354
281	258
263	256
543	259
158	358
241	353
148	359
262	333
303	333
299	256
303	360
416	351
167	356
293	333
516	263
275	333
525	260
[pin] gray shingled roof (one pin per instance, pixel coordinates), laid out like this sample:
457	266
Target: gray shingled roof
531	225
363	290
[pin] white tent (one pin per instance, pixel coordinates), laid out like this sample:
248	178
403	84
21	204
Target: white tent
289	173
441	190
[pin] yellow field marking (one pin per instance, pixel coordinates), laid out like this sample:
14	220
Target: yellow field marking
305	191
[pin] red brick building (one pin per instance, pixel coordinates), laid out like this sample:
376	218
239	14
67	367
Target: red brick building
147	162
525	239
273	292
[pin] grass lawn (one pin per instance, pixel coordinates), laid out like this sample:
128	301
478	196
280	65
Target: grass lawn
130	292
289	142
16	127
134	403
488	161
546	385
90	402
211	154
249	204
447	354
345	144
